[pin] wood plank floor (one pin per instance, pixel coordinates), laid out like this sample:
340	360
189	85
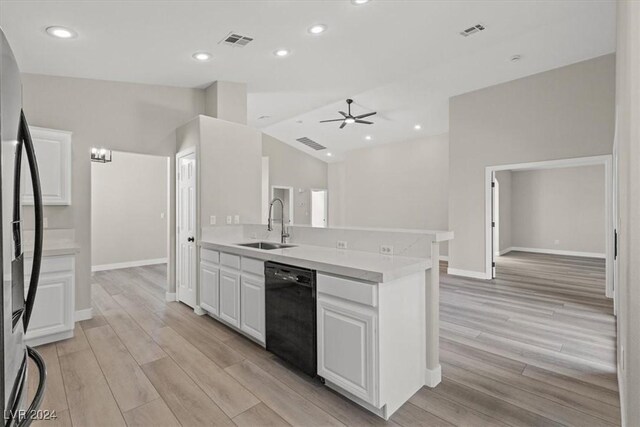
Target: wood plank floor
536	346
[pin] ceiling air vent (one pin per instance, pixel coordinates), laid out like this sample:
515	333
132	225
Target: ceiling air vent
472	30
235	39
311	143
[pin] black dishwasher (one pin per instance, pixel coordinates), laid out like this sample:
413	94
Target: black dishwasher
290	306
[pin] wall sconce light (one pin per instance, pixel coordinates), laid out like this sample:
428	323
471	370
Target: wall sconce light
101	155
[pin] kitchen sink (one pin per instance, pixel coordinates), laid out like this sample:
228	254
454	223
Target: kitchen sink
266	245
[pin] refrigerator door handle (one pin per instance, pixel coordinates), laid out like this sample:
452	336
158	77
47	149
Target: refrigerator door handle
37	398
37	208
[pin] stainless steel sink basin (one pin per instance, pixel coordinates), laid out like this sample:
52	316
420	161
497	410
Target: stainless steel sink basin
267	246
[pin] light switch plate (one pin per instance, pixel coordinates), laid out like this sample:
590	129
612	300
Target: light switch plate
341	244
45	222
212	220
386	249
228	219
236	219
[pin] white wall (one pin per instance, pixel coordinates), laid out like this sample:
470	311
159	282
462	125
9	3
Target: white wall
121	116
564	205
289	167
129	202
563	113
628	153
402	185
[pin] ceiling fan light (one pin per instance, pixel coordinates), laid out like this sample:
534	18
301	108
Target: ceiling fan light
349	120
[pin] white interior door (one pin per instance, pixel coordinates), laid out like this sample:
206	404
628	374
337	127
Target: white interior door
318	208
186	219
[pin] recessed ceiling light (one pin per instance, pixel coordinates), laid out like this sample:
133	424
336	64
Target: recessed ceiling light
359	2
202	56
417	127
282	53
61	32
317	29
329	154
368	137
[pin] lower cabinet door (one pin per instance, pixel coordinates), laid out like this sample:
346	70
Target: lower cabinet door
252	317
209	287
53	308
230	296
346	347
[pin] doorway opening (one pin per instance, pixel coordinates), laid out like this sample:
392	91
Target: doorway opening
130	220
319	208
286	195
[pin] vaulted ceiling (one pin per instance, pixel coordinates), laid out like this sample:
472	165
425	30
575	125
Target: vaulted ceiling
403	59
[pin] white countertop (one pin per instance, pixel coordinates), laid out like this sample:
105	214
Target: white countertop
360	265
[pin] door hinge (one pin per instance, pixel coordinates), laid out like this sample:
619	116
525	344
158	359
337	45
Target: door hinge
493	264
493	184
493	223
615	244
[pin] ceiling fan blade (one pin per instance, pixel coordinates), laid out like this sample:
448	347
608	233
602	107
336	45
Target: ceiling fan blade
362	116
334	120
343	113
364	122
343	125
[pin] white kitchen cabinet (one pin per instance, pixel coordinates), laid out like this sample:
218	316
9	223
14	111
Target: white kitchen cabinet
347	347
53	311
53	153
210	287
252	315
230	296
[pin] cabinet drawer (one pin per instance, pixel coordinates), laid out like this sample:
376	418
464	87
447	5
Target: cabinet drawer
253	266
229	260
360	292
51	264
209	255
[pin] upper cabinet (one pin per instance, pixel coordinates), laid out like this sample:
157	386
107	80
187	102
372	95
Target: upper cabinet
53	153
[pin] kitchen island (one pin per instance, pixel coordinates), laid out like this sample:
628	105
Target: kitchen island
377	315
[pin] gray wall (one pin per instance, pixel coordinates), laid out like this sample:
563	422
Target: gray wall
289	167
129	207
402	185
628	153
563	113
564	205
121	116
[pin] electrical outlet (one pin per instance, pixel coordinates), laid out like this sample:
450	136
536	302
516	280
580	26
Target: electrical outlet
45	222
236	219
342	244
161	215
228	219
212	220
386	250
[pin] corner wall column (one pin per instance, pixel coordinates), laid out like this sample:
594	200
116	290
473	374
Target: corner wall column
433	371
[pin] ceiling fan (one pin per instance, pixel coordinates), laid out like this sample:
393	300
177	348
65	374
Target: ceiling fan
348	119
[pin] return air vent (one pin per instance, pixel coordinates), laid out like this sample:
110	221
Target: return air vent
311	143
472	30
237	40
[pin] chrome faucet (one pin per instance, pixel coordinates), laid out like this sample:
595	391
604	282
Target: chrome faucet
283	235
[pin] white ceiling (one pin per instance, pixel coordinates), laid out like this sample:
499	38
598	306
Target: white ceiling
403	59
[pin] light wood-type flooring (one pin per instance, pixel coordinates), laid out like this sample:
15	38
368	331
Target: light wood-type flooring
534	347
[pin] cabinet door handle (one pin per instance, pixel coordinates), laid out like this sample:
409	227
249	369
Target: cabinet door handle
191	239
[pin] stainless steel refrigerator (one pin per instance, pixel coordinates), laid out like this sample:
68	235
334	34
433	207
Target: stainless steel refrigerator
16	299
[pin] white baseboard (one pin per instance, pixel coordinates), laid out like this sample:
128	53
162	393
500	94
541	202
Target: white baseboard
199	311
433	377
81	315
444	258
503	251
468	273
559	252
46	339
170	296
128	264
